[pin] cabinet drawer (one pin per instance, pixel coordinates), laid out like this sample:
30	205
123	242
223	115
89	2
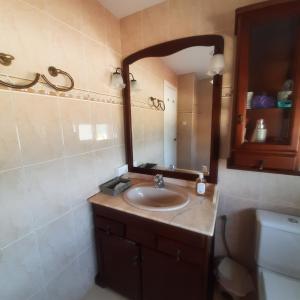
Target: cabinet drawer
141	236
180	251
265	161
109	226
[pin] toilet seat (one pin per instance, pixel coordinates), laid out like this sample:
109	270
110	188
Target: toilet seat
275	286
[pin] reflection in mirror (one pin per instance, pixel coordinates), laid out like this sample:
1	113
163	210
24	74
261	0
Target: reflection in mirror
172	109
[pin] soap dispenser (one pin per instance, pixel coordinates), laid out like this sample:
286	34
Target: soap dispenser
201	185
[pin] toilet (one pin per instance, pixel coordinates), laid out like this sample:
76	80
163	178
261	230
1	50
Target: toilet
278	256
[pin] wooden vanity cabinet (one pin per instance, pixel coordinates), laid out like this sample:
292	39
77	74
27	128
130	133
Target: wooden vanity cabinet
118	259
143	259
268	47
166	277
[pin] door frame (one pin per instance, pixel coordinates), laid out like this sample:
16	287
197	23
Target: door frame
169	85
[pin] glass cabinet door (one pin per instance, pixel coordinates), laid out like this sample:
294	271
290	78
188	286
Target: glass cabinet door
269	101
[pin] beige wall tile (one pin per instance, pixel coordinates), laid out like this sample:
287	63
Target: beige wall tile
20	270
66	52
39	127
83	226
103	125
57	245
88	265
131	34
97	70
23	34
46	184
68	284
102	160
118	124
181	20
77	126
16	218
155	17
37	3
10	152
68	11
81	178
113	32
93	20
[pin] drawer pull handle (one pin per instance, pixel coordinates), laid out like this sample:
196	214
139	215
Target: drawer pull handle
135	260
261	165
178	255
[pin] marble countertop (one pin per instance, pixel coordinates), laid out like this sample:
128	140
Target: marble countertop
199	215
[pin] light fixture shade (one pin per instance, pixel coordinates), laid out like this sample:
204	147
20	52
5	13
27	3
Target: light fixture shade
216	65
117	81
134	85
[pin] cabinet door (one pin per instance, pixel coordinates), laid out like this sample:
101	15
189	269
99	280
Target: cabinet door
267	82
119	264
166	278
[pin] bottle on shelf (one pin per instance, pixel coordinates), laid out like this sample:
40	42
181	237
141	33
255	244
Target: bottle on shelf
260	132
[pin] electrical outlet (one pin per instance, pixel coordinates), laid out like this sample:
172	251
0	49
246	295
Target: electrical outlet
121	170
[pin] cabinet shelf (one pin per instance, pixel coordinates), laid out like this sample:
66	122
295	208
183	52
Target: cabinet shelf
270	109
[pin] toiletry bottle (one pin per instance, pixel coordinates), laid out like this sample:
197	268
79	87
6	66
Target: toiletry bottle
200	185
260	132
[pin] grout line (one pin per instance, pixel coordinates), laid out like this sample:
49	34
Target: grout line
23	166
37	228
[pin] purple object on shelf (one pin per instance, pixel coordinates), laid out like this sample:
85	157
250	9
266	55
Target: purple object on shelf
263	101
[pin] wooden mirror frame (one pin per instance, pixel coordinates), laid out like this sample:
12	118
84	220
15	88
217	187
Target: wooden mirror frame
165	49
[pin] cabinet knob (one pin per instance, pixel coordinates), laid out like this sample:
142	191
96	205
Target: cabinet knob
178	252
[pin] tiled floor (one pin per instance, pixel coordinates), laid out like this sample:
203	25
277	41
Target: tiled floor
97	293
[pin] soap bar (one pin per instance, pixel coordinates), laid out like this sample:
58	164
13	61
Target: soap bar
119	185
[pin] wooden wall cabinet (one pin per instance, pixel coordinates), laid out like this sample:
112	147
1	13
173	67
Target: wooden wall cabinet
267	62
143	259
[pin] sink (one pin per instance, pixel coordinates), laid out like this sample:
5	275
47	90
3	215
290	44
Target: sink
149	197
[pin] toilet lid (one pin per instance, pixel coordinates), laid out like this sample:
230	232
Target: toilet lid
274	286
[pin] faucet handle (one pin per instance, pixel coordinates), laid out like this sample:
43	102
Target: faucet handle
158	177
159	180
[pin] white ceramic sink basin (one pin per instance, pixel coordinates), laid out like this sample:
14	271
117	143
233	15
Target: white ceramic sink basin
149	197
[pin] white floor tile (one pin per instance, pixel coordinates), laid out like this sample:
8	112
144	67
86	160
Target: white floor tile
98	293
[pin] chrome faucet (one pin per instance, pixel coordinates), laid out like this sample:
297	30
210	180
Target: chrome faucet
159	181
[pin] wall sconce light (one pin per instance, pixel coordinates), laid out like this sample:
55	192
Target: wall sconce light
216	65
134	86
117	79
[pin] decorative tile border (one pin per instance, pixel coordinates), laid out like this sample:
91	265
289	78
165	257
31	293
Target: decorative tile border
143	104
42	89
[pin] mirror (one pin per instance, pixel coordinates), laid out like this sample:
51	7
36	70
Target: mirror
172	108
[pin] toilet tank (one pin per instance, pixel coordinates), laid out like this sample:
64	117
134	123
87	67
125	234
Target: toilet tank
278	242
